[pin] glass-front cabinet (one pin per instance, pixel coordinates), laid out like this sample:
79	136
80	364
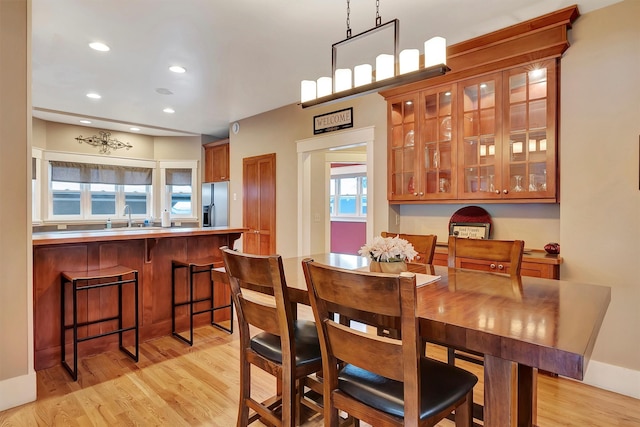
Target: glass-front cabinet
480	154
402	162
491	137
529	157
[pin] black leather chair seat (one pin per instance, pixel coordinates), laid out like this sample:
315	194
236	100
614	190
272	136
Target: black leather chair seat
442	385
305	336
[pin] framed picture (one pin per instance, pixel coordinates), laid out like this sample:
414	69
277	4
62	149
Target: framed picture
470	230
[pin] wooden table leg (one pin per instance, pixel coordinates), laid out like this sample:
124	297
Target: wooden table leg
527	395
510	393
500	392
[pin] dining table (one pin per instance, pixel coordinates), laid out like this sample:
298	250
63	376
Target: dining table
520	326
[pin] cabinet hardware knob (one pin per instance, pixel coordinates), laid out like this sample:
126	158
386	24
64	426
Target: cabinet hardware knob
421	193
415	194
505	191
497	191
500	267
492	266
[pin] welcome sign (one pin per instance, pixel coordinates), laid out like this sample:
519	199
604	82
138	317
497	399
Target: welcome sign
329	122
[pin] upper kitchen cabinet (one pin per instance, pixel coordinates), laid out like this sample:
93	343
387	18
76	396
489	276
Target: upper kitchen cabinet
508	125
216	161
487	130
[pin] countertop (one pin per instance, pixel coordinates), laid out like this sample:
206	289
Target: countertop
64	237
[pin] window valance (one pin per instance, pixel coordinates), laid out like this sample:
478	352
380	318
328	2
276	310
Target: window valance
178	176
99	174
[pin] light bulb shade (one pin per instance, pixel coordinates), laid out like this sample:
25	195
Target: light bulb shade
409	60
362	74
307	90
435	52
324	86
343	79
385	66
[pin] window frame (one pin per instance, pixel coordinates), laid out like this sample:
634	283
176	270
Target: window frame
338	173
85	215
165	191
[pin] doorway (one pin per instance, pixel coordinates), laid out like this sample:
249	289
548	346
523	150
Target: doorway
313	219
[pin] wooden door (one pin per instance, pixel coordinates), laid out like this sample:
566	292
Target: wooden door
259	204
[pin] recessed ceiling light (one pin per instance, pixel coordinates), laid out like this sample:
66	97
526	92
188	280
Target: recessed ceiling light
93	95
99	46
86	122
134	129
164	91
177	69
169	110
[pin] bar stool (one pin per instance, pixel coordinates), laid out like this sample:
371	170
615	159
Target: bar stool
85	281
195	267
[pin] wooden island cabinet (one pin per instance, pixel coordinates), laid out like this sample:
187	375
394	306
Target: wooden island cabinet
148	251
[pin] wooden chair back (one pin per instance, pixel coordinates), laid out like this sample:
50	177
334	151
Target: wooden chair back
380	296
259	274
503	256
424	244
259	292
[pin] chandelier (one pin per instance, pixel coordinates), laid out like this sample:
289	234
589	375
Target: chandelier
391	69
104	141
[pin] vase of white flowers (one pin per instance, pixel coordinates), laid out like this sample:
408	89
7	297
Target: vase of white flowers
388	254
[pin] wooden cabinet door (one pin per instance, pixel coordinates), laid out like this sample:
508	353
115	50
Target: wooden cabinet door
438	133
259	204
480	137
216	162
529	131
403	148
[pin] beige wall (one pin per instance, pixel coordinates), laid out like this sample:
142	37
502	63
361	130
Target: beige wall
600	209
17	378
61	137
277	132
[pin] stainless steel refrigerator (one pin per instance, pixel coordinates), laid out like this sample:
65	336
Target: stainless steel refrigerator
215	204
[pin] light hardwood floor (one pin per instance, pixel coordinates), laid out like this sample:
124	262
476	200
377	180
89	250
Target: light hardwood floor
177	385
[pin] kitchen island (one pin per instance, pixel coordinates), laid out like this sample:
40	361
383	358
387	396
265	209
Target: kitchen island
148	250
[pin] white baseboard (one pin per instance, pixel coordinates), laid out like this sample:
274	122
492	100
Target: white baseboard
613	378
18	391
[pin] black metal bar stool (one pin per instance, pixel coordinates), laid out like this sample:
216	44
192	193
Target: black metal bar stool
85	281
205	265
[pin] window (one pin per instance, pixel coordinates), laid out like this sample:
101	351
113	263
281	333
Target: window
348	195
179	191
90	191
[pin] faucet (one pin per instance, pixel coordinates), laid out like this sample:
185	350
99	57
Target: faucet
127	208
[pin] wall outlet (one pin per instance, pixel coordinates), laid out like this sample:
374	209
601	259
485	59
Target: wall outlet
235	197
397	219
316	217
62	226
177	223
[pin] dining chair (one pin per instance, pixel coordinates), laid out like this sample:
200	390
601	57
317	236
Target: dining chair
284	347
379	380
496	256
424	244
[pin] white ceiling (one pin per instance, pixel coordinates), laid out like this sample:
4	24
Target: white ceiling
243	57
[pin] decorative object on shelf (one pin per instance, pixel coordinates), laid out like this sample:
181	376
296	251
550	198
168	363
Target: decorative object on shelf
390	69
388	254
471	222
105	142
552	248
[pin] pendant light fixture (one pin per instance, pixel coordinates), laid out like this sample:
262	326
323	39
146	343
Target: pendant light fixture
391	69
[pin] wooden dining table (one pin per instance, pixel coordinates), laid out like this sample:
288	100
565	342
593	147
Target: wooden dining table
519	325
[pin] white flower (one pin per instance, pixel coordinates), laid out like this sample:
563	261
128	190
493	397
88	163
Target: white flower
388	249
